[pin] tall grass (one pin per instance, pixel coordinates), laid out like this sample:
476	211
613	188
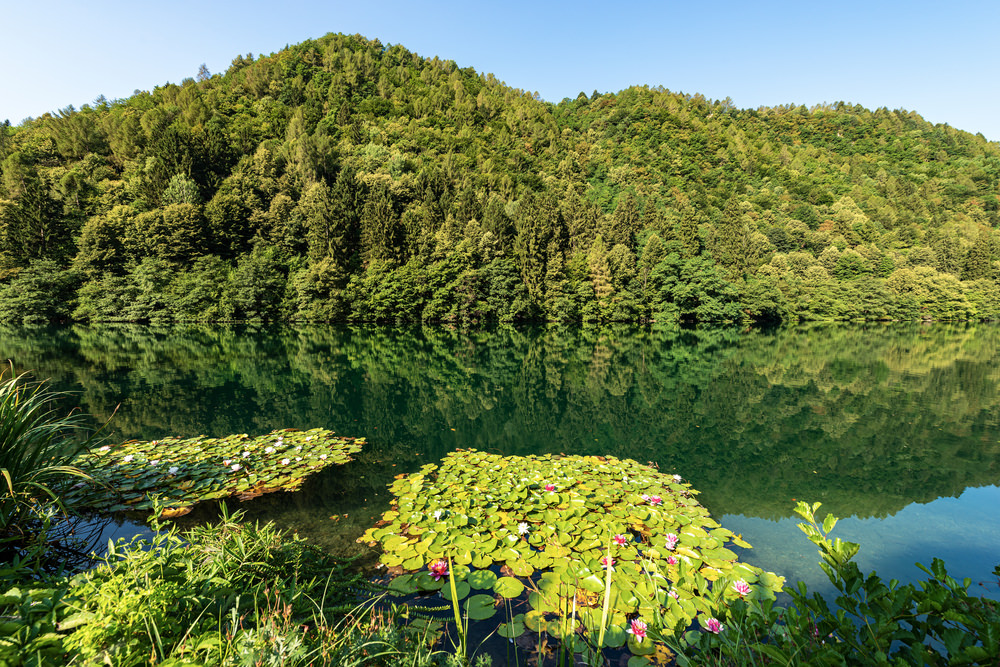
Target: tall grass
37	447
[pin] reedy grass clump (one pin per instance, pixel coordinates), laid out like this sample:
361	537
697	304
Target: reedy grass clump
37	446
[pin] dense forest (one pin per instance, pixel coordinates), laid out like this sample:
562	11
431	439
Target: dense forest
346	180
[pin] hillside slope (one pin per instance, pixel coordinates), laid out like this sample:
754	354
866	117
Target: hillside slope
342	179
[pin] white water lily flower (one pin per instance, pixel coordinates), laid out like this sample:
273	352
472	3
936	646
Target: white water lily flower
173	470
235	467
128	459
269	450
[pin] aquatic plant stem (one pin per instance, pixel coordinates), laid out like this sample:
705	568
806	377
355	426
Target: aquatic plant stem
607	598
454	607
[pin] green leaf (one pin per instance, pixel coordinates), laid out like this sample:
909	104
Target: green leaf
513	628
482	579
480	607
461	589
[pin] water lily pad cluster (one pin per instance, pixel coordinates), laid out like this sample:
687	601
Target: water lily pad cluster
183	471
543	531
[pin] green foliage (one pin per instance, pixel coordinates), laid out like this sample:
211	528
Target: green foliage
341	149
37	448
40	292
556	523
178	473
872	622
234	593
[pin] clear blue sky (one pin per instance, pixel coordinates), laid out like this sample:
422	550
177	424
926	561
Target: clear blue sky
936	58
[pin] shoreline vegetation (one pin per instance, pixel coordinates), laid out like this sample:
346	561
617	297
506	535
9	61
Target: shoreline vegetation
343	179
583	558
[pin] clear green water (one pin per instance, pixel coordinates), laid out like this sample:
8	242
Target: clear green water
896	428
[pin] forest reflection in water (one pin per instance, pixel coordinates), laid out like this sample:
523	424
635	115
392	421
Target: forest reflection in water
868	419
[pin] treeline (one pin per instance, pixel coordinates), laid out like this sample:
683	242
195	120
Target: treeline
345	180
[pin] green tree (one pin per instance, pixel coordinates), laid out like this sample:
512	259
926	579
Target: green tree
40	292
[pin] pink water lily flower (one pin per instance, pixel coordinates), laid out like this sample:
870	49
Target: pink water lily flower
637	628
671	560
672	540
550	487
608	562
713	625
439	568
655	500
620	540
742	587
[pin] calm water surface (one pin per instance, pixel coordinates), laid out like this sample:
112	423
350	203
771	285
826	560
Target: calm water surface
894	428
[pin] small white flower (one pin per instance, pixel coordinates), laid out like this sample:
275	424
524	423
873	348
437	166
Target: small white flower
678	478
323	457
437	514
308	438
235	467
285	462
173	470
104	448
299	448
154	462
227	462
269	450
246	454
523	528
128	459
298	458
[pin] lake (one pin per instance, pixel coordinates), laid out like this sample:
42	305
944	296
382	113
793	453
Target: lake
895	427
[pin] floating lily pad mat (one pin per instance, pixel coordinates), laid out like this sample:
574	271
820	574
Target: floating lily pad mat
539	531
183	471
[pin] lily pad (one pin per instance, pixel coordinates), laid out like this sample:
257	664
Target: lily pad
480	607
666	557
180	472
508	587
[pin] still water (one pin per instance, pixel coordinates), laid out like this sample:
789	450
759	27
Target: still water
894	428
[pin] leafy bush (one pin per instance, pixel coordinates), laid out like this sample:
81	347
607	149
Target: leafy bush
233	593
873	622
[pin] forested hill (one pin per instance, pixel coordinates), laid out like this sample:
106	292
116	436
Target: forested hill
342	179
